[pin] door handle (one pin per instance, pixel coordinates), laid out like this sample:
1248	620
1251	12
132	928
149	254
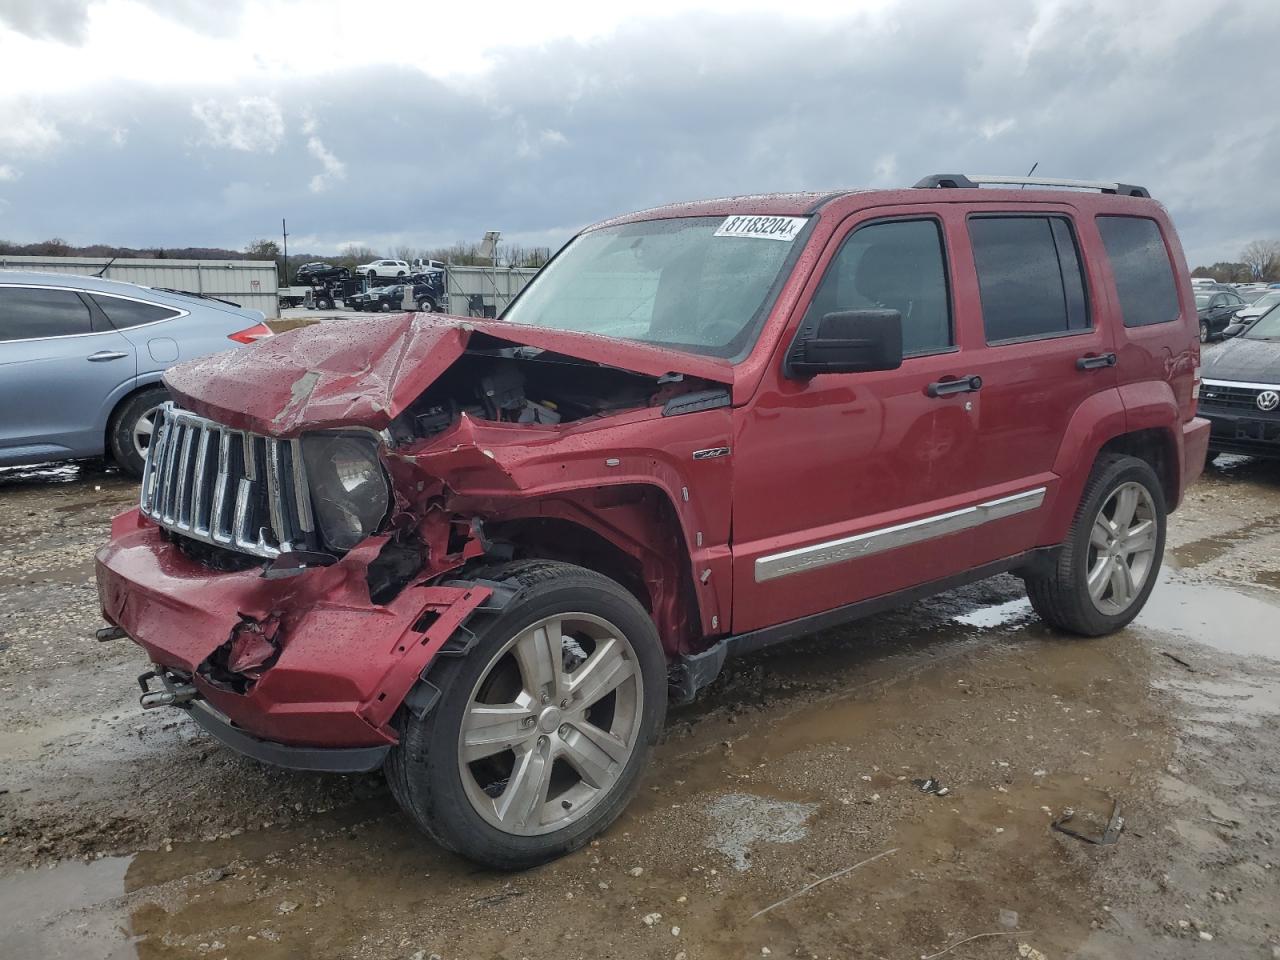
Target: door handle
945	388
1096	363
102	355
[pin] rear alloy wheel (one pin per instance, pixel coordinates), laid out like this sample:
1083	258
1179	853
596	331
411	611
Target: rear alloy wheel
540	733
132	427
1108	565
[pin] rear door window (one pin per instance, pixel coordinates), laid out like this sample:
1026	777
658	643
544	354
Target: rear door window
1029	277
29	313
132	313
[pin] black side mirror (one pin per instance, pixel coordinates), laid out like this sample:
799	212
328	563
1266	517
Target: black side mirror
847	341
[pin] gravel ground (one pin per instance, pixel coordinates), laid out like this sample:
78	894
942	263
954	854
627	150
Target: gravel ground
131	834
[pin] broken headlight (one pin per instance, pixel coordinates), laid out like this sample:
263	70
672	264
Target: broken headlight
349	489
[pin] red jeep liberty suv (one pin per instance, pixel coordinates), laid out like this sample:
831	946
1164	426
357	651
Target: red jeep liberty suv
485	555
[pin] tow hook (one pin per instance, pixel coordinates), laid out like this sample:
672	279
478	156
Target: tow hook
176	692
105	634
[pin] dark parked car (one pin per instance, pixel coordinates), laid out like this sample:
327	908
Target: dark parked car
312	273
1240	394
486	553
1216	309
427	297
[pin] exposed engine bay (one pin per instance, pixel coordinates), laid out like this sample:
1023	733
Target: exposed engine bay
526	385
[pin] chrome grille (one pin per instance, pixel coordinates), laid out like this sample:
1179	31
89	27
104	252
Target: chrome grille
1221	393
227	487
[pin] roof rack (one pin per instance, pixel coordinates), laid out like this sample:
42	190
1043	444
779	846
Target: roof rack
959	181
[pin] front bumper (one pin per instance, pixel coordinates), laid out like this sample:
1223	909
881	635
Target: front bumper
317	759
1251	433
345	663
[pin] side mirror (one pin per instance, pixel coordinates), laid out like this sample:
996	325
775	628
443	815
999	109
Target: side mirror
847	341
1233	329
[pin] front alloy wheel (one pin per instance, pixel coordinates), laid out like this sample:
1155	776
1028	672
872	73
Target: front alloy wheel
538	736
551	724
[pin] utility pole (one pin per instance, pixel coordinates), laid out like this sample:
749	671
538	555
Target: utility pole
284	229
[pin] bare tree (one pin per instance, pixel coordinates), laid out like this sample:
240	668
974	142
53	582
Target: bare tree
1262	257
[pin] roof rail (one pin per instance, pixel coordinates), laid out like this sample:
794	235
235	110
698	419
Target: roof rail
958	181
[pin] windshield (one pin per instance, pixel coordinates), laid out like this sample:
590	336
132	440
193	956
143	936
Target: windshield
701	284
1267	301
1266	327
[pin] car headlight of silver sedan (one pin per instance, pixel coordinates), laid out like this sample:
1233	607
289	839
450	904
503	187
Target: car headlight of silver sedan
349	490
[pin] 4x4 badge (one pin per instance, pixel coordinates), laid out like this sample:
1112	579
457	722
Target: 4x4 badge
1268	400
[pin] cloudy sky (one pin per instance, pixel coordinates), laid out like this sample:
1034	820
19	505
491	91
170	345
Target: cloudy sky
187	122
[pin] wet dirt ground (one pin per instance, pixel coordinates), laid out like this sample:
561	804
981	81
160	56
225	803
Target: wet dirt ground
779	818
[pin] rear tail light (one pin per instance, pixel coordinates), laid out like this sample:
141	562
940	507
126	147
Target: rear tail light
250	334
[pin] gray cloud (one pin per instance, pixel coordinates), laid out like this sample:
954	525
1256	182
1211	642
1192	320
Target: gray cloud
558	136
66	20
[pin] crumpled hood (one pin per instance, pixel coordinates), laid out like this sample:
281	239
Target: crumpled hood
365	372
1248	361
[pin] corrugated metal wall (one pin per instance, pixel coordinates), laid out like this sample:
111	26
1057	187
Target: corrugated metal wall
250	283
498	286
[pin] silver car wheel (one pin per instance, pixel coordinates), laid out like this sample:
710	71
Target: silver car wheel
551	724
142	430
1122	546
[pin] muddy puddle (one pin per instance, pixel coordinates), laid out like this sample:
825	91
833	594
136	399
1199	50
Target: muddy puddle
745	807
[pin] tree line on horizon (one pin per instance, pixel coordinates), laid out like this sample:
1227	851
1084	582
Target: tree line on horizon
1259	263
460	254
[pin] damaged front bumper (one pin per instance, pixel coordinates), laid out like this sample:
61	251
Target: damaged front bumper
342	666
178	691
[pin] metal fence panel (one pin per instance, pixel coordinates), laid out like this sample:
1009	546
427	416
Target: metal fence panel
250	283
496	287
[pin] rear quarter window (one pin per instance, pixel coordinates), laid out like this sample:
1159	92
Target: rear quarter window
1144	276
132	313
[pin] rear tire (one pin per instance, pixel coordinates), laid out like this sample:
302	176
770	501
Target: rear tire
1109	563
556	773
128	434
1204	332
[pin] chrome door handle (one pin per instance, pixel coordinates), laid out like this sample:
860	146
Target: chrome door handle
102	355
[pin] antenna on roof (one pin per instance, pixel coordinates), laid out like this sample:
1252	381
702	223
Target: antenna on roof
1029	173
106	266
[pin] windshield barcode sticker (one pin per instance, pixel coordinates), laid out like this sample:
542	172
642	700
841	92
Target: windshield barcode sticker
761	228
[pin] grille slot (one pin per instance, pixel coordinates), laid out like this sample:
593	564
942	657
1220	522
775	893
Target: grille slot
225	487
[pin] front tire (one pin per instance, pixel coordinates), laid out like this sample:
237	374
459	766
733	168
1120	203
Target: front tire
427	305
1108	564
541	731
132	425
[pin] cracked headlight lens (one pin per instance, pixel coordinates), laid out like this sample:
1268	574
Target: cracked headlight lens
349	491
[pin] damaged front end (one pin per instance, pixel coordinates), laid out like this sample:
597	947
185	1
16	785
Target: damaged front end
310	513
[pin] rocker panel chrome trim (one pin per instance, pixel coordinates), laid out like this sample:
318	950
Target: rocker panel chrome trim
818	555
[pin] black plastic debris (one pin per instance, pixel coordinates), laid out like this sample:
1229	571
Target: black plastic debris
932	785
1115	825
